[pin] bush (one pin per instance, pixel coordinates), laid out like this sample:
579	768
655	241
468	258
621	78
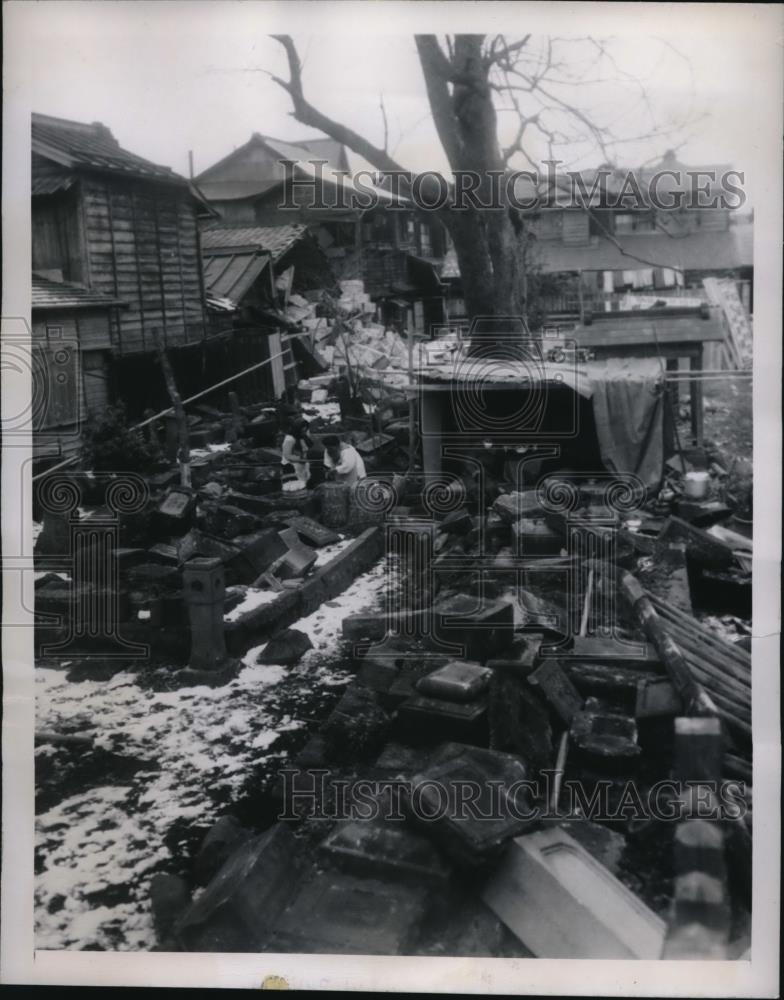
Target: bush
111	446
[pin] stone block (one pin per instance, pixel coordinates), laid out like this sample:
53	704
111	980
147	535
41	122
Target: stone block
616	685
370	627
357	726
311	532
205	591
297	560
470	803
557	689
604	738
241	905
384	849
562	903
481	627
286	647
457	680
178	506
341	914
430	720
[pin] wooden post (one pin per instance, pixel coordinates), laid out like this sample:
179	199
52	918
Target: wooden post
184	456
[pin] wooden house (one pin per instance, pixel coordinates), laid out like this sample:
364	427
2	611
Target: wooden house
595	255
115	253
390	247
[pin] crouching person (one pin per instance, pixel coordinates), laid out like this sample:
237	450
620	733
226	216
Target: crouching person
342	461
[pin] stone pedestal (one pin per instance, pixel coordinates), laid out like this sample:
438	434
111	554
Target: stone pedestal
204	589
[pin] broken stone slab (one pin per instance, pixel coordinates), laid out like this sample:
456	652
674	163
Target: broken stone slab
481	627
557	689
562	903
457	680
384	849
244	558
177	508
519	719
241	905
471	803
357	726
334	913
614	683
604	737
153	576
220	842
297	560
367	626
311	532
430	720
286	647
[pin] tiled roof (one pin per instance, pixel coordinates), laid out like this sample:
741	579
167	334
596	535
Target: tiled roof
262	178
710	250
77	144
230	275
274	240
48	294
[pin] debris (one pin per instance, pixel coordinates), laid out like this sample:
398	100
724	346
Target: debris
425	719
221	840
335	913
286	647
384	850
456	681
557	689
562	903
604	737
241	905
437	796
169	899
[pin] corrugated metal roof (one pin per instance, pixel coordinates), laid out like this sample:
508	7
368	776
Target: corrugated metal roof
48	294
274	240
78	144
230	275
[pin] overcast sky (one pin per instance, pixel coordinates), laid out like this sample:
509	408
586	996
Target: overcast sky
167	77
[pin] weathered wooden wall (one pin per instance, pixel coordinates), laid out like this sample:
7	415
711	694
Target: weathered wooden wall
142	247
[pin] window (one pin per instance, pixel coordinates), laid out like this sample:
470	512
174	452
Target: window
634	222
425	242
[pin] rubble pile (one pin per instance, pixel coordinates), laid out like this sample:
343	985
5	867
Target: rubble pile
466	686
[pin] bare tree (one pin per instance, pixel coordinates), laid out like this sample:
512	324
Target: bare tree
470	81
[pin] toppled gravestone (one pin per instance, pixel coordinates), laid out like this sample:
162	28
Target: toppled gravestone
286	647
519	720
480	627
240	907
357	726
562	903
604	737
226	520
470	802
334	913
384	849
457	680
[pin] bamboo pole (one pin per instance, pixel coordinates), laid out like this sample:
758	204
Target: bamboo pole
170	409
